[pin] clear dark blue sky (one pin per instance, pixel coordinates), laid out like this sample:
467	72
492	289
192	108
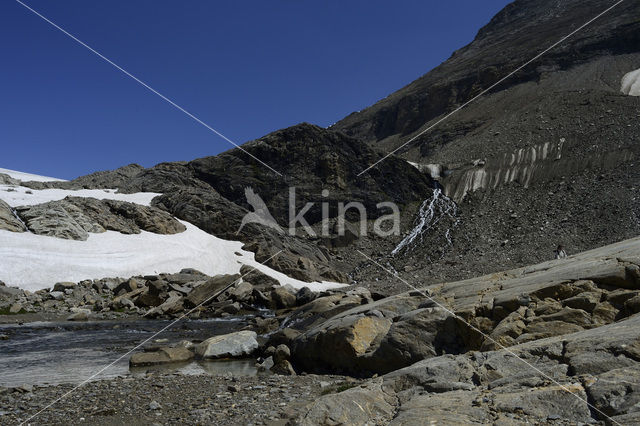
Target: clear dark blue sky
244	67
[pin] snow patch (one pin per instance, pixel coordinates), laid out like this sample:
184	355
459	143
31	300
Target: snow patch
23	196
34	262
25	177
631	83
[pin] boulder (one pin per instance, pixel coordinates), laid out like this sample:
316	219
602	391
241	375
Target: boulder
147	299
340	343
258	277
239	344
126	286
361	344
173	305
16	308
587	301
304	296
242	292
56	295
80	315
205	291
282	298
161	356
283	368
63	286
9	291
283	336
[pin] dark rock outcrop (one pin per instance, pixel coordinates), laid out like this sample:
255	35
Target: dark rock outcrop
75	217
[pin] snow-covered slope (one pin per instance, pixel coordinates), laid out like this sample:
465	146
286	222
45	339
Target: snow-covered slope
23	196
34	262
25	177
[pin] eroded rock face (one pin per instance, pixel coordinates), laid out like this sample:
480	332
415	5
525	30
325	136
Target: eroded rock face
208	210
53	220
362	405
552	379
486	313
75	217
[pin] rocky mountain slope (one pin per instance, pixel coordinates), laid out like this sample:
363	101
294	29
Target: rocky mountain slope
547	157
211	192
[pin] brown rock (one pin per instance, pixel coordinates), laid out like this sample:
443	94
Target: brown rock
161	356
205	291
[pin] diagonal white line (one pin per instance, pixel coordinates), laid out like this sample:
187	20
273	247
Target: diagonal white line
488	89
163	97
141	344
502	347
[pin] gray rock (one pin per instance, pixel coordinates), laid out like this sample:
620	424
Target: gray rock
8	220
53	220
81	315
368	404
16	308
304	296
282	298
283	368
282	353
62	286
5	179
163	355
205	291
242	292
241	343
173	305
6	292
75	217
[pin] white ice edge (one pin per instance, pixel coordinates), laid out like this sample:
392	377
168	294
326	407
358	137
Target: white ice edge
28	176
23	196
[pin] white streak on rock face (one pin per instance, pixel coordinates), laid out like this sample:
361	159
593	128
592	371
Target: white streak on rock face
433	170
631	83
520	166
432	210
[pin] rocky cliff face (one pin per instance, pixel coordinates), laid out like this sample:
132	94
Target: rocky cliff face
547	157
515	35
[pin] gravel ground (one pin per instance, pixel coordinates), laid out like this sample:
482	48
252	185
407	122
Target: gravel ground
170	400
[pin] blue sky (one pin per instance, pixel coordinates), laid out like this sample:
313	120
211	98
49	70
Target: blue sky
244	67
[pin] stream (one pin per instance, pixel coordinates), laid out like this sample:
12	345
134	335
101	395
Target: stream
40	353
